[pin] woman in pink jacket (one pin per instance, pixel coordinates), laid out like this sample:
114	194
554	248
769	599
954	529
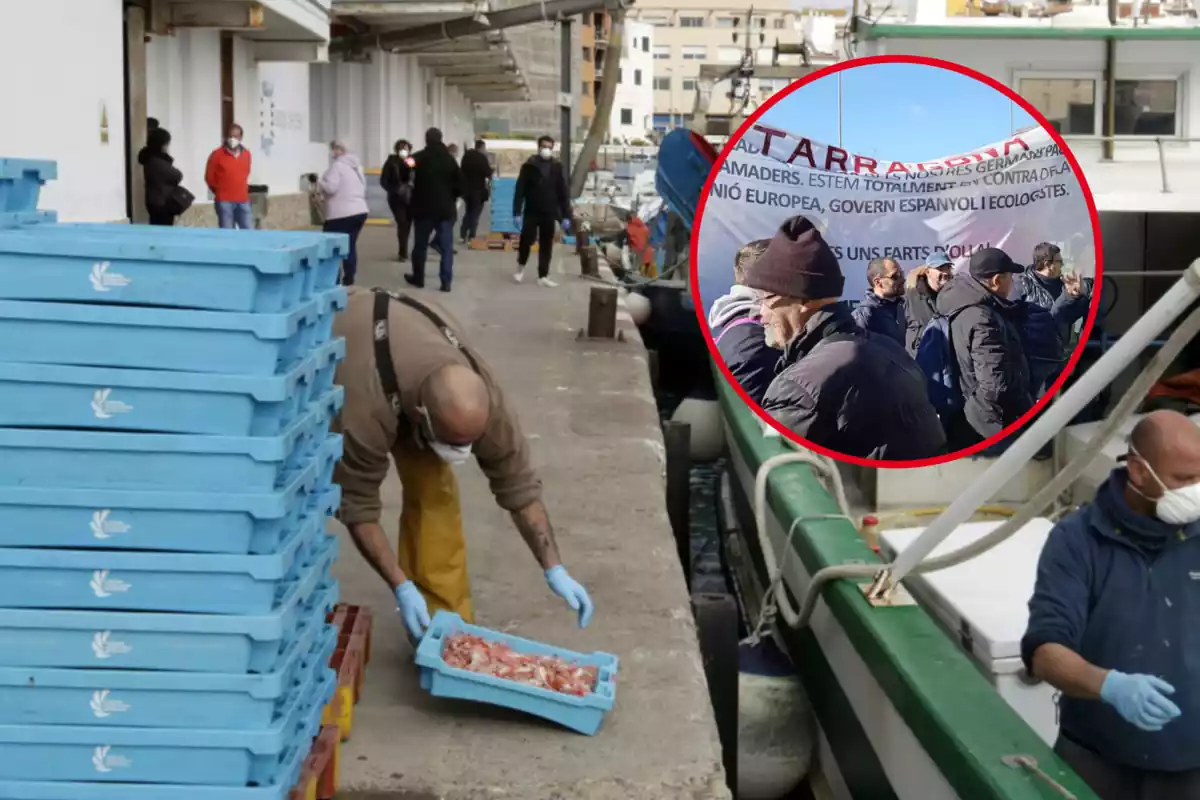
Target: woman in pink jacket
344	187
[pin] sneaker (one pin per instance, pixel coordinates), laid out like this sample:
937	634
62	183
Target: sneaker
546	283
519	275
412	281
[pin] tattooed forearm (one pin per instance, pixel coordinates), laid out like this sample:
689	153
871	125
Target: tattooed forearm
534	525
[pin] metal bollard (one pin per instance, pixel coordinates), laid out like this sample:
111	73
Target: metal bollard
602	313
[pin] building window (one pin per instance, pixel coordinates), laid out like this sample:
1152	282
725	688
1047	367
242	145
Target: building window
760	22
637	77
662	84
694	52
585	89
727	22
587	54
645	44
1069	104
778	23
689	84
1147	107
729	55
657	20
662	51
691	22
626	116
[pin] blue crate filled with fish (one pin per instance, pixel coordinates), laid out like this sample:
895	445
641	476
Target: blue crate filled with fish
70	459
157	401
327	356
205	756
115	580
137	337
141	699
583	714
153	268
179	521
130	640
332	248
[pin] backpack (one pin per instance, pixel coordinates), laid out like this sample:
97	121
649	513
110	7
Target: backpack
935	356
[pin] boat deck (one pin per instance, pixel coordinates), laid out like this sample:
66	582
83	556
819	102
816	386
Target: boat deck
589	412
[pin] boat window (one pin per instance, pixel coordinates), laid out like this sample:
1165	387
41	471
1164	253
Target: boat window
1147	108
1069	104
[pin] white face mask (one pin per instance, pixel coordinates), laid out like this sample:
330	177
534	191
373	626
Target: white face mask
1176	506
545	152
233	143
402	153
452	454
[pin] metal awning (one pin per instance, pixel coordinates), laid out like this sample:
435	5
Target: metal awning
282	30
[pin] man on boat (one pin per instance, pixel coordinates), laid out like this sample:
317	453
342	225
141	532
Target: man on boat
853	392
415	391
882	309
985	334
737	328
1066	298
1112	621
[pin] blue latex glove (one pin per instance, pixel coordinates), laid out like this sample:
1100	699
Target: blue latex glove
517	221
413	609
566	226
1140	699
572	591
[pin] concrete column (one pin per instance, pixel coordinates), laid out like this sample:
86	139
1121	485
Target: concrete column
135	104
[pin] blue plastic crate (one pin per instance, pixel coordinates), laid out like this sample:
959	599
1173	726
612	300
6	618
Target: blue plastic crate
186	522
328	356
152	267
172	642
322	412
329	303
318	512
116	580
154	338
140	699
165	755
106	398
330	455
582	714
21	182
98	460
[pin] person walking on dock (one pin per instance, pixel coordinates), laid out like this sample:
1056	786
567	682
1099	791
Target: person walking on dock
437	185
417	391
228	178
541	201
854	392
396	179
344	187
166	198
1112	621
477	176
882	309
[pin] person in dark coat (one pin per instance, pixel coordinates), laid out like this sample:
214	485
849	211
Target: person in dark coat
1066	298
985	333
737	328
854	392
477	176
541	201
882	309
437	185
920	297
163	179
1112	621
396	179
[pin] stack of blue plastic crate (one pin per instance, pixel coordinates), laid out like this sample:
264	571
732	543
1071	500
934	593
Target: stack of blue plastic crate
165	480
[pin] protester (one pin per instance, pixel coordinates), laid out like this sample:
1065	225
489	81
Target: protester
396	179
737	329
437	184
1066	297
166	199
540	202
920	296
882	308
344	186
228	178
854	392
450	408
985	336
1112	621
477	175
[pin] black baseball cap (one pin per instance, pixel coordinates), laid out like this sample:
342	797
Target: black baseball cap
992	261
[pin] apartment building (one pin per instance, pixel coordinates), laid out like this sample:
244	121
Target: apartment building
714	32
633	106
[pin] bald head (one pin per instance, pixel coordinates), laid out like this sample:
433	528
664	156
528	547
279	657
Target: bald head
1165	444
458	403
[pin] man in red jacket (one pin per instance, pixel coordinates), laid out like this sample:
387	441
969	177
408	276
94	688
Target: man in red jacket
228	178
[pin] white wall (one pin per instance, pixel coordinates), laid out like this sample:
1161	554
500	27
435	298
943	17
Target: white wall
638	99
62	64
1133	180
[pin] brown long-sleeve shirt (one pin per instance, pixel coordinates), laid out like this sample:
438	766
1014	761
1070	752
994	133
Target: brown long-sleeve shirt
371	428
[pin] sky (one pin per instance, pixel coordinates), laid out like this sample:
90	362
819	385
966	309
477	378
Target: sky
901	112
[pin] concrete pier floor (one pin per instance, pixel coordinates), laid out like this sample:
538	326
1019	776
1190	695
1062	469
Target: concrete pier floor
588	410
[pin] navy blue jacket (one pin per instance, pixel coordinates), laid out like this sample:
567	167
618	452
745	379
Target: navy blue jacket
1123	591
874	314
1047	328
743	347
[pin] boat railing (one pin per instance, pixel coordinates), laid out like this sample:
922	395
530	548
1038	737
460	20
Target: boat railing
1161	143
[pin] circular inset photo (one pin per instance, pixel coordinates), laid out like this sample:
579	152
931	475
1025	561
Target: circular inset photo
896	262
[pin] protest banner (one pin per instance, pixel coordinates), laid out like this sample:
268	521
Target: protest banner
1012	194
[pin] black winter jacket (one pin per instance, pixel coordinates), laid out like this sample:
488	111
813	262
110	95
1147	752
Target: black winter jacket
1050	318
874	314
394	175
541	190
437	184
855	393
476	170
989	348
741	341
920	306
161	178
